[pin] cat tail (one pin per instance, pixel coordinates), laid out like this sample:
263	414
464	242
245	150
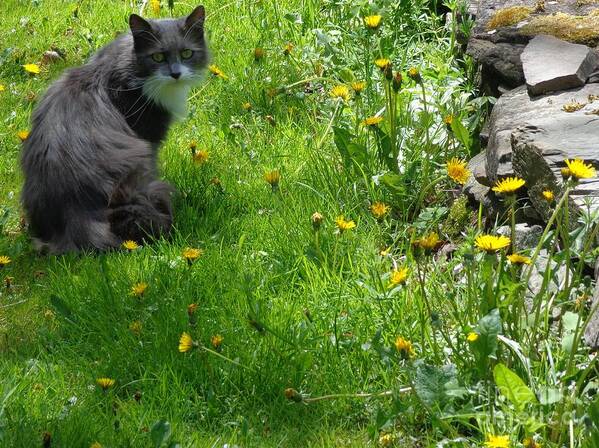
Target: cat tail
137	213
83	230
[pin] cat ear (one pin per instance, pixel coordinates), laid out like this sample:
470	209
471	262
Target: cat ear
141	30
196	18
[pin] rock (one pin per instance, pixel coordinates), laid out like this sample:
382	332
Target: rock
527	236
591	333
557	277
50	56
516	108
551	64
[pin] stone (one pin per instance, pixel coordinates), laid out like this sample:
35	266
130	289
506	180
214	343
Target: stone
526	236
517	109
551	64
591	333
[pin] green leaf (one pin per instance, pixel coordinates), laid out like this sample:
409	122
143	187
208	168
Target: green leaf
435	386
342	138
461	133
485	347
160	433
512	387
393	181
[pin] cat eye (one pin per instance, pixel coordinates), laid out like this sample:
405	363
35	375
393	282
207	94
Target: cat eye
187	53
158	57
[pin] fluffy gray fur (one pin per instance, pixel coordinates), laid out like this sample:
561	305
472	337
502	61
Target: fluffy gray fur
89	162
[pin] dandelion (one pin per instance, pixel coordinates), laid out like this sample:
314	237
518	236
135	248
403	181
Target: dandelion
288	48
382	63
518	259
398	276
191	309
580	170
34	69
529	442
139	289
379	210
428	242
4	260
270	119
155	7
293	395
565	172
258	53
2	88
8	281
135	327
492	243
343	224
200	157
358	86
191	254
340	91
217	72
273	178
246	106
404	347
448	119
372	121
316	220
23	135
414	73
96	445
105	383
185	342
497	441
385	251
130	245
386	440
509	185
548	195
49	314
472	337
372	22
458	171
216	341
397	81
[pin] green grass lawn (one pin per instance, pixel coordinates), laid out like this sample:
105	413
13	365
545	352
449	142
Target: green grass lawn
303	308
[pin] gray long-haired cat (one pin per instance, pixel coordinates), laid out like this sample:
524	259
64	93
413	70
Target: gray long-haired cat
90	159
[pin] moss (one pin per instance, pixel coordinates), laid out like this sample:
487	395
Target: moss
459	218
509	16
578	29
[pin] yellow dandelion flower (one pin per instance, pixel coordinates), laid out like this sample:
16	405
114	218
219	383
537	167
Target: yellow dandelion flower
273	177
458	171
548	195
23	135
2	88
130	245
34	69
580	170
385	251
472	337
448	119
386	440
428	242
155	7
565	172
139	289
414	74
372	22
105	383
49	314
358	86
497	441
191	254
379	210
509	185
398	276
4	260
288	48
372	121
404	347
135	327
259	53
216	341
340	91
519	259
343	224
200	157
529	442
382	63
217	72
246	106
96	445
185	342
492	243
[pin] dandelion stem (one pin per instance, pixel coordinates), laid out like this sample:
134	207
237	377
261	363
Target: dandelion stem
212	352
386	393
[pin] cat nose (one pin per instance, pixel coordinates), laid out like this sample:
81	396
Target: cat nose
176	75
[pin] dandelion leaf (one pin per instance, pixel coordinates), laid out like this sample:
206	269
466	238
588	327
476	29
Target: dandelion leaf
160	433
436	386
512	387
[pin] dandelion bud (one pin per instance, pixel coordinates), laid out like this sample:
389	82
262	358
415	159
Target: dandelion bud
287	49
8	281
316	219
308	315
388	72
137	395
217	341
293	395
46	439
397	80
191	310
565	173
271	120
257	325
414	74
258	53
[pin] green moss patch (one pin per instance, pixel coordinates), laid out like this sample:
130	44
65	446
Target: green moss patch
579	29
509	16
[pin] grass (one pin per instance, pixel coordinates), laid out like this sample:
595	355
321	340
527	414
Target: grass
309	316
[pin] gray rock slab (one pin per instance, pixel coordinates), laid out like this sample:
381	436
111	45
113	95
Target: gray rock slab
551	64
591	334
527	236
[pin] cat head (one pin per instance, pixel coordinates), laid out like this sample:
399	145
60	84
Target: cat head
170	51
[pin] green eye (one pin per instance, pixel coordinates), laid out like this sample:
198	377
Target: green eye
186	54
158	57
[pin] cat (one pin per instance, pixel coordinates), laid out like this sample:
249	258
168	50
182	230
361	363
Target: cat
90	161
